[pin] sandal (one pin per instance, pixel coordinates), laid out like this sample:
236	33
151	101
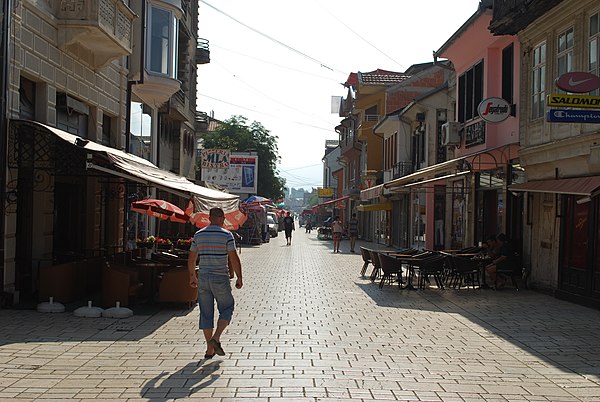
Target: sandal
217	346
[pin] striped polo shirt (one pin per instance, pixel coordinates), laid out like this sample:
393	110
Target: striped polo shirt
212	244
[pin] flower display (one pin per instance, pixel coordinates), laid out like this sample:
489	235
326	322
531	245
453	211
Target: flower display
184	243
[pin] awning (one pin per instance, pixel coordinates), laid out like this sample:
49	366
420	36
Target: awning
422	183
132	167
384	206
483	160
585	186
371	193
331	201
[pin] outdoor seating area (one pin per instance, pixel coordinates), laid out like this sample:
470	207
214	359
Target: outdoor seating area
422	269
129	278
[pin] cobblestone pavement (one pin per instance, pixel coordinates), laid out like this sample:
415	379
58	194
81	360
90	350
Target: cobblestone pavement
308	328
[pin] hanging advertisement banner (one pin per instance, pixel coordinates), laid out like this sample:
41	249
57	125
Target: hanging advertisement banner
241	176
573	116
578	82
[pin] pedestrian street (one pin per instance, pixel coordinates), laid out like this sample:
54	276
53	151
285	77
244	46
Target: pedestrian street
307	327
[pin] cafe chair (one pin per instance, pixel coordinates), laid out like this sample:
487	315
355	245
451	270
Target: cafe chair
511	268
464	271
376	265
366	256
430	266
392	270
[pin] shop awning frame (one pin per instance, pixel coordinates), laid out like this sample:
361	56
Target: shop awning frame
332	201
371	192
588	186
384	206
134	168
499	156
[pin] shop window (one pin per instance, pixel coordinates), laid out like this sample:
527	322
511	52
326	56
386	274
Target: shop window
576	236
538	88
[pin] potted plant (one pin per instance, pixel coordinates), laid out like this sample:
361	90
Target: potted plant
184	244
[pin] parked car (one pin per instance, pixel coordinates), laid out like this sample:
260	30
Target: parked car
272	223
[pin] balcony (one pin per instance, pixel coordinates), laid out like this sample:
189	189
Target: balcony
202	52
201	121
401	169
511	16
97	31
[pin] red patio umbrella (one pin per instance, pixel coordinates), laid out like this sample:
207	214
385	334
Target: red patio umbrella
198	214
160	209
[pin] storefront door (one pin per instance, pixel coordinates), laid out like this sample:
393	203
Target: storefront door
579	270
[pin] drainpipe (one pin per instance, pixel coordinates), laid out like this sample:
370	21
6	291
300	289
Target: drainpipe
4	94
130	84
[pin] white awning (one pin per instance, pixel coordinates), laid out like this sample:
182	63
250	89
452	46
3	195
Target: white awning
132	167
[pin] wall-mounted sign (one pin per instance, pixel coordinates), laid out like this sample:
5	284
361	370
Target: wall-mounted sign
581	101
325	192
241	176
494	110
215	158
474	134
578	82
573	116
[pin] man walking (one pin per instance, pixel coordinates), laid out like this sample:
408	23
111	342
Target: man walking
288	226
353	231
216	248
337	229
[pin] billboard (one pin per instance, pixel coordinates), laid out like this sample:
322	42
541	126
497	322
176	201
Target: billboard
240	176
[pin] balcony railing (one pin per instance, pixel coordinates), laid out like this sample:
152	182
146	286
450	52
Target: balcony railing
97	31
402	169
202	52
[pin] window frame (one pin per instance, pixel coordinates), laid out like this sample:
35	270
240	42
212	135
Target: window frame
538	64
594	44
170	69
565	52
470	92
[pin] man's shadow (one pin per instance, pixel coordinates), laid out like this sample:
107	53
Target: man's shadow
182	383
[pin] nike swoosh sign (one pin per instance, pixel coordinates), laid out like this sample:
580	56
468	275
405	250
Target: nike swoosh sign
578	82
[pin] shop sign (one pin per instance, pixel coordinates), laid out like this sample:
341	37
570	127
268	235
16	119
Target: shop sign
494	110
573	116
474	134
581	101
578	82
215	158
325	192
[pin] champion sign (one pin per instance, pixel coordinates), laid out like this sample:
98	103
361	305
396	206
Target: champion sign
494	110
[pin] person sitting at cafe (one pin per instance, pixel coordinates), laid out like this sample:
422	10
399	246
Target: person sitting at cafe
504	257
492	247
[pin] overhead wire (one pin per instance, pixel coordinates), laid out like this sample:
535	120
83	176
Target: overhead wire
322	64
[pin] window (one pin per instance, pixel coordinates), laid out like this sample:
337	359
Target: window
470	92
508	73
72	115
106	129
162	48
538	88
565	52
594	47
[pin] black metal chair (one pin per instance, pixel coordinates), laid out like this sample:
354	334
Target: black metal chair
511	268
391	269
366	256
376	265
430	266
464	271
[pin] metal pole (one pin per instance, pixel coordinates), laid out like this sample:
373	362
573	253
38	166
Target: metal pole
4	94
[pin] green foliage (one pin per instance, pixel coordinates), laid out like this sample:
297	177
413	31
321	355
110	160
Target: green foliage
236	135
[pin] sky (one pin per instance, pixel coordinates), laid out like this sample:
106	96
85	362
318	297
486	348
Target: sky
279	62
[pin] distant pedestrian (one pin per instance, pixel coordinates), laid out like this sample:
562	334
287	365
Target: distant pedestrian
337	229
216	248
308	226
288	226
353	231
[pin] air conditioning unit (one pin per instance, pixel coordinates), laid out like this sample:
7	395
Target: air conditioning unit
451	133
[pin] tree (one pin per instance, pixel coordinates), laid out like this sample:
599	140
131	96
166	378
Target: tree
237	136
